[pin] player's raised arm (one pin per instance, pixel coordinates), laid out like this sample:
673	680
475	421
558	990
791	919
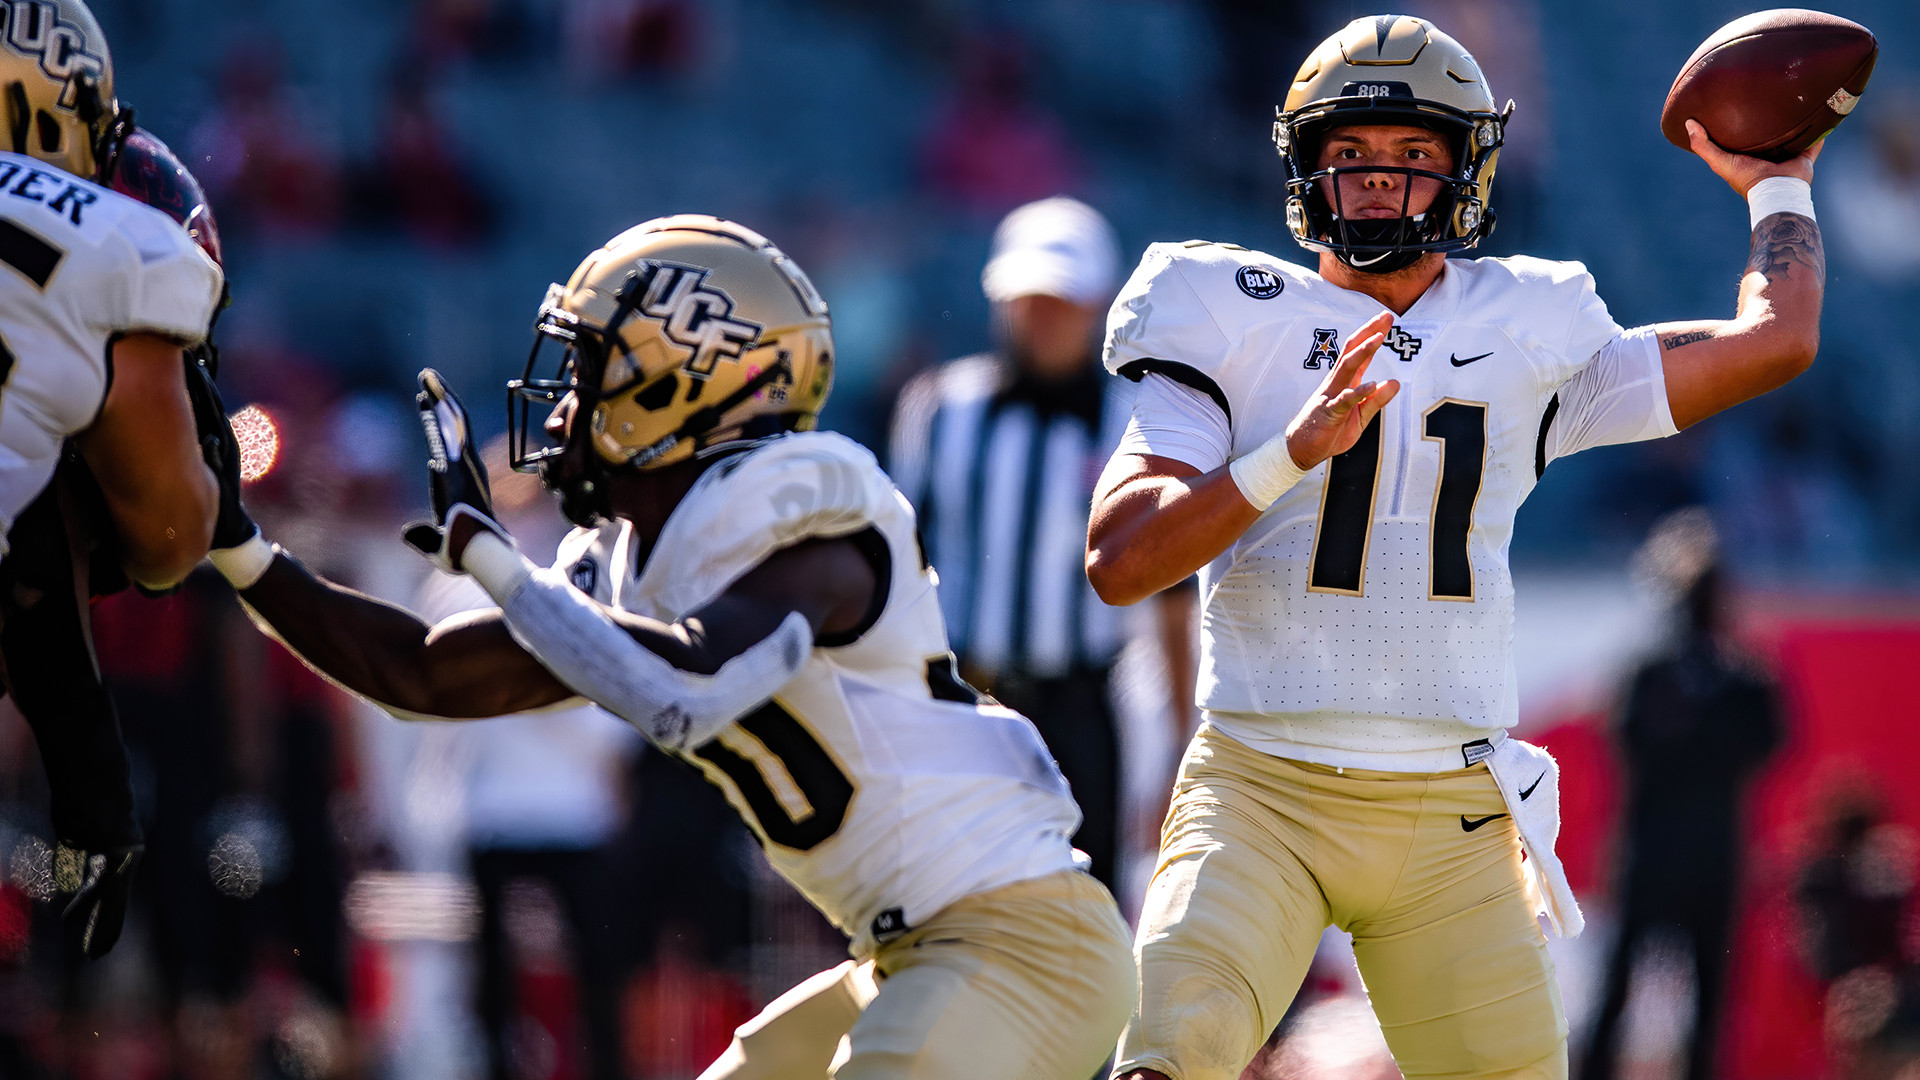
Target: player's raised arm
679	682
1157	520
1775	331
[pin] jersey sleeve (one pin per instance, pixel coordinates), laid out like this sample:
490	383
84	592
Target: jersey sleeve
1173	420
1619	397
794	488
1159	324
1592	326
172	287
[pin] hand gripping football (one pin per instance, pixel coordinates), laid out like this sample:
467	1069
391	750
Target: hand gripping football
1771	83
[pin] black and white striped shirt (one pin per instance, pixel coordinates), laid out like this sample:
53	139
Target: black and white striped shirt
1001	469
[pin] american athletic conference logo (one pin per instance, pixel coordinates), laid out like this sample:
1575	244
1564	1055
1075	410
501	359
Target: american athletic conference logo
693	314
1260	282
34	29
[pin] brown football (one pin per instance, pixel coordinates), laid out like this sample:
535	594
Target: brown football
1770	83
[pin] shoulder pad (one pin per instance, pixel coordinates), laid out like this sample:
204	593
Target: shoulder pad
1186	308
746	507
175	285
133	268
1159	315
1551	303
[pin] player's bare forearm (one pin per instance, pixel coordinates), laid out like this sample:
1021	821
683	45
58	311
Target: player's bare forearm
1714	365
1156	521
143	451
468	667
1775	332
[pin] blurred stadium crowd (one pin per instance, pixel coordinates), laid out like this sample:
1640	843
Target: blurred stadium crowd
330	893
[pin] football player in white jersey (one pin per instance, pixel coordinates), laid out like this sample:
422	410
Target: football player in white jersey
98	295
101	474
1351	530
751	595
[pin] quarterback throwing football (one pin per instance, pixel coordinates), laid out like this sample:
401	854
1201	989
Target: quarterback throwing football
751	595
1351	538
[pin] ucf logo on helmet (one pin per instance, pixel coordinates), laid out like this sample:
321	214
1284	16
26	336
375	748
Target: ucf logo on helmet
694	314
34	29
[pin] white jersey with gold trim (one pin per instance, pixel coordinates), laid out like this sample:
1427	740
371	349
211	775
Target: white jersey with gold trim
1366	618
80	265
877	783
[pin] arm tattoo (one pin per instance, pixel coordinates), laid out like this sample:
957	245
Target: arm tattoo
1674	341
1782	241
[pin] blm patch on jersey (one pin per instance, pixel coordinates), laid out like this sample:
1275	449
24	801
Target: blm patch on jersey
1259	282
1326	347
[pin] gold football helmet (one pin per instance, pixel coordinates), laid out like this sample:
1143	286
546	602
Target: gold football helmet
56	81
681	334
1391	69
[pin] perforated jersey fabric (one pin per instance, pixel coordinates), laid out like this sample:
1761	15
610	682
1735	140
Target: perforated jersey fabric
1366	618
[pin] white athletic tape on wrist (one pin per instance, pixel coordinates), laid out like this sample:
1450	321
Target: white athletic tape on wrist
244	563
572	638
1779	195
1266	473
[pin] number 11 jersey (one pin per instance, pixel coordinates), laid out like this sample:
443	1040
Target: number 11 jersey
1366	619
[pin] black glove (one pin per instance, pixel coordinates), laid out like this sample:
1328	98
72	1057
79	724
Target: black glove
456	478
101	882
221	450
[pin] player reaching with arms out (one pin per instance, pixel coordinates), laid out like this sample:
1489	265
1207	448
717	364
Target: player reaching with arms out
1350	526
101	472
751	595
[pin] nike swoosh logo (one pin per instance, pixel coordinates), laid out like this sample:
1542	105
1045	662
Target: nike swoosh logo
1470	824
1528	790
1457	362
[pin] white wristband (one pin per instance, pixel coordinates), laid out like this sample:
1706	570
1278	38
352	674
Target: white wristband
244	563
1779	195
1266	473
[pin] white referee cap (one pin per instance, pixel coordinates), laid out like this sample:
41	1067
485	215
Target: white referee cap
1055	247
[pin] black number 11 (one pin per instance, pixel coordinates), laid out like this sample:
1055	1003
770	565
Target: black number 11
1341	538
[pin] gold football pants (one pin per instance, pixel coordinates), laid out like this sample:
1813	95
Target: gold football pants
1260	854
1031	981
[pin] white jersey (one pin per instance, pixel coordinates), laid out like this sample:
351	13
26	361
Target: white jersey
1366	619
82	265
876	781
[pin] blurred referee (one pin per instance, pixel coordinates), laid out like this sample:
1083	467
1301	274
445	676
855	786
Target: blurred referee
999	453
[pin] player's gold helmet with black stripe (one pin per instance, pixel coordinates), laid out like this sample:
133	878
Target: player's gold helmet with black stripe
1397	70
680	335
56	86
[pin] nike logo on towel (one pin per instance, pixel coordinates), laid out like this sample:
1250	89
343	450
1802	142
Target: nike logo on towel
1457	362
1528	790
1469	824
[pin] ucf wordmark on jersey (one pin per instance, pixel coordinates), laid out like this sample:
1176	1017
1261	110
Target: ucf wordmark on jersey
1366	619
877	782
83	265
